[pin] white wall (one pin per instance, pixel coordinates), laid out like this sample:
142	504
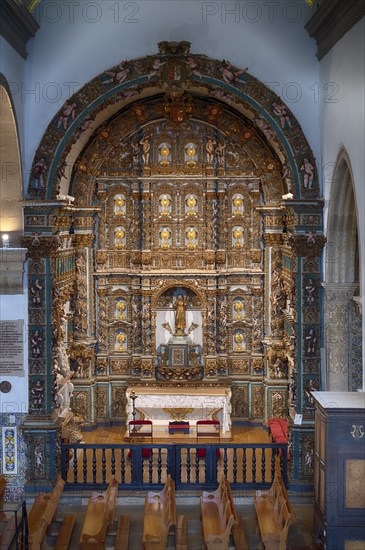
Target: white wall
268	37
342	124
14	307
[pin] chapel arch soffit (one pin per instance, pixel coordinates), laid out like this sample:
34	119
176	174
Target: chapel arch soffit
110	153
173	67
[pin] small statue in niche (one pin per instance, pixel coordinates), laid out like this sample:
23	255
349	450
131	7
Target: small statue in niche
61	173
219	151
240	341
36	291
135	152
120	307
311	342
191	203
292	390
310	291
180	306
165	203
37	393
279	369
36	344
307	174
308	392
120	341
146	147
210	149
39	170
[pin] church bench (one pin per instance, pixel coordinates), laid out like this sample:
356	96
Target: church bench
159	516
7	534
65	533
99	515
42	513
181	534
3	484
218	516
239	536
275	514
122	540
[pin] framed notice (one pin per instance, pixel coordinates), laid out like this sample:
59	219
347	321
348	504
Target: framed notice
12	348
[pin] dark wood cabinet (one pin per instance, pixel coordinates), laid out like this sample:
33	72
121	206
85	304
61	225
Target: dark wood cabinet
339	470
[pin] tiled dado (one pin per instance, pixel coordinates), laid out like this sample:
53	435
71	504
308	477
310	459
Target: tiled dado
13	452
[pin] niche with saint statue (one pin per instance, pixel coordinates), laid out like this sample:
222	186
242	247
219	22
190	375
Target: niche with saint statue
179	333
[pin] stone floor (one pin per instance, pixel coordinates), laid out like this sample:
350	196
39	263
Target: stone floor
132	504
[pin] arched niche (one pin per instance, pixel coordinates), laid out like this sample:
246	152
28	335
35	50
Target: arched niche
166	314
343	318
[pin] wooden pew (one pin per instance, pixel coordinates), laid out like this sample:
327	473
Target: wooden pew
159	516
275	514
42	513
7	534
65	532
124	524
99	515
181	534
3	484
218	515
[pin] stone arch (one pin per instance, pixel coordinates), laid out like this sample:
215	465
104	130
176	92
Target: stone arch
11	214
87	110
342	279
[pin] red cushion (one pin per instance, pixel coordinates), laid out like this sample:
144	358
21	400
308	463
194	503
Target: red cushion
203	452
146	453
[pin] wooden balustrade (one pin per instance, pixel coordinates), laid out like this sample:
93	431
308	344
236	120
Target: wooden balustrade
248	466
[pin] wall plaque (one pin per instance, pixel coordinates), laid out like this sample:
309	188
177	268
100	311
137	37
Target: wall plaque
11	348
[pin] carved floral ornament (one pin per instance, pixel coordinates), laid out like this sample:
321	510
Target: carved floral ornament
174	69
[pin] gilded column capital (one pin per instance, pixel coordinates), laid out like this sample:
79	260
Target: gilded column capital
307	245
273	239
39	246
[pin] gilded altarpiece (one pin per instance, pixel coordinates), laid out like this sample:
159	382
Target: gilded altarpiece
188	191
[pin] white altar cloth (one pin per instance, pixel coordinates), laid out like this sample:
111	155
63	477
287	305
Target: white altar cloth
204	402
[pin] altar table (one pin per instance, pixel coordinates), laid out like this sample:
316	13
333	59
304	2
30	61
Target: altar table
162	405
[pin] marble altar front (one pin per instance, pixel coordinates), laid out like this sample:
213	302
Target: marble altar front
162	405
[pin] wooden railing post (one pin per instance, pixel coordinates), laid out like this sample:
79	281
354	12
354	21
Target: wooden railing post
137	465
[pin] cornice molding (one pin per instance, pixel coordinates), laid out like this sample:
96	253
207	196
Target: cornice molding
332	20
17	25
